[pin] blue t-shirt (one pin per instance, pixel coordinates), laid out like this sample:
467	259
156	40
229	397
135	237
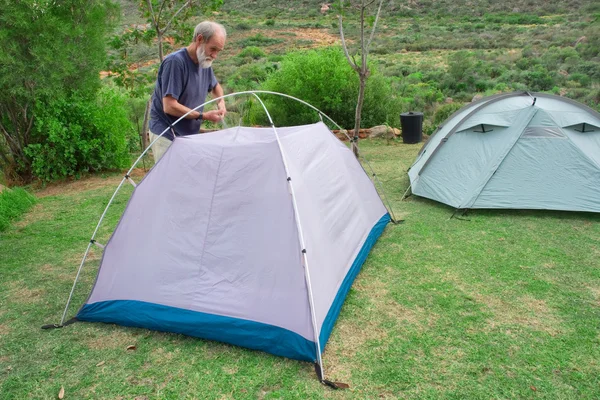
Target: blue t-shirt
186	82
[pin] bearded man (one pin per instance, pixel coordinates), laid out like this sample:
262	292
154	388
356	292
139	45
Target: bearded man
185	77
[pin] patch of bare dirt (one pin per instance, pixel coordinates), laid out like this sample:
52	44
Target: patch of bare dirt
596	293
4	330
37	213
319	37
19	293
526	310
109	339
87	183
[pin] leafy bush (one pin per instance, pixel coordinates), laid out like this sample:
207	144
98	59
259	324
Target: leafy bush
76	134
249	76
252	52
324	79
49	49
243	26
13	203
539	78
443	112
259	40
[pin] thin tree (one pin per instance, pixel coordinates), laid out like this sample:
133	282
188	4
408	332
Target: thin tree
361	67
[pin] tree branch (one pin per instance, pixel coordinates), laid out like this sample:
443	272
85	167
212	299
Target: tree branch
352	63
374	26
152	14
363	57
187	4
162	6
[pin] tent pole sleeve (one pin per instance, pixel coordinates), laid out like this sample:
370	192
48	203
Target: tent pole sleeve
62	320
302	243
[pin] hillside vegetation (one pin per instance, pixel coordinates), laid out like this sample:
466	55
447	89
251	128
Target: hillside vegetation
429	56
435	55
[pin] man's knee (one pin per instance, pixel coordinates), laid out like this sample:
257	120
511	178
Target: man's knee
159	147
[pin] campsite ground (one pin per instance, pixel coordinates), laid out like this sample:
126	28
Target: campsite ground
505	304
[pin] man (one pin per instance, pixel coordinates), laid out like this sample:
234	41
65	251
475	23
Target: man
184	79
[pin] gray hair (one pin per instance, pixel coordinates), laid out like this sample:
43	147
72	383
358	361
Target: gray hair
207	29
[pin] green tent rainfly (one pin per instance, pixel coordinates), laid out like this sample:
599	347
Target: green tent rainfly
515	151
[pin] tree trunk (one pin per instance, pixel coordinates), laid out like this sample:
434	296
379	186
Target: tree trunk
358	113
144	132
160	47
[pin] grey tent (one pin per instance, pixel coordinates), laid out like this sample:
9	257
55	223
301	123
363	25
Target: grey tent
250	236
515	151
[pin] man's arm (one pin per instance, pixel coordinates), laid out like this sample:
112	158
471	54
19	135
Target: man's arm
176	109
218	92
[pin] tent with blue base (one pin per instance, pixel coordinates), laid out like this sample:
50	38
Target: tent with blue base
250	236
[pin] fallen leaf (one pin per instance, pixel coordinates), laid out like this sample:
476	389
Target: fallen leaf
101	363
131	347
61	393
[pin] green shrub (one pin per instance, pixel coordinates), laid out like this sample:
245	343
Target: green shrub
539	78
443	112
76	134
243	26
13	203
324	79
259	40
580	78
252	52
249	76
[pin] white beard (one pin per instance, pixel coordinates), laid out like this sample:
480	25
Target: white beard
203	60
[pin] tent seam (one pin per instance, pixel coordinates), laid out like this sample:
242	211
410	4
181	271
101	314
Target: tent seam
573	143
210	208
502	160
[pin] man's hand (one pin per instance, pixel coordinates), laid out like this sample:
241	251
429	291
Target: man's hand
221	107
214	115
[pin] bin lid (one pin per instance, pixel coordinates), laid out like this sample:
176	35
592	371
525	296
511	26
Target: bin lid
411	113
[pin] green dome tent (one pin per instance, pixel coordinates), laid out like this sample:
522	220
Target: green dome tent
515	151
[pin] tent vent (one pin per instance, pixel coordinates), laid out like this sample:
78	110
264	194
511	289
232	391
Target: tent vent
483	130
583	129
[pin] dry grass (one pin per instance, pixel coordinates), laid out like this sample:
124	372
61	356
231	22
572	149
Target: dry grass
74	187
109	339
37	213
18	292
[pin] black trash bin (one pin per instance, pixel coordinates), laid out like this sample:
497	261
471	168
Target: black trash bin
412	127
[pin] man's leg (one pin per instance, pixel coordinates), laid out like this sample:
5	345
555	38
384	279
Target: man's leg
159	147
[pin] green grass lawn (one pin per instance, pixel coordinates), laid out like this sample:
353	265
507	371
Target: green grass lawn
505	305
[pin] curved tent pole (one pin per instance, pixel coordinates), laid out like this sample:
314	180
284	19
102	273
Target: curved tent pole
301	237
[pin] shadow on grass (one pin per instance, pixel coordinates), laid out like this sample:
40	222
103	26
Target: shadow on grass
539	214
